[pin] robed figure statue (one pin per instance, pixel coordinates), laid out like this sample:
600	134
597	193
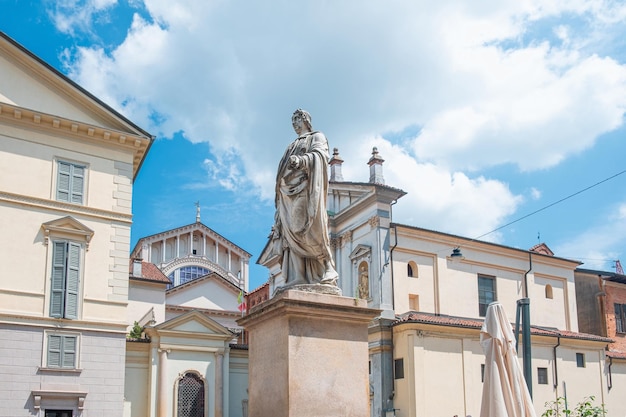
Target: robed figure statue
300	232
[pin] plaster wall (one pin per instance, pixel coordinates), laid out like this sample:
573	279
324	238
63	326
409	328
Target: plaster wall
238	382
445	286
577	383
137	383
101	364
103	283
206	294
29	162
145	296
19	85
615	403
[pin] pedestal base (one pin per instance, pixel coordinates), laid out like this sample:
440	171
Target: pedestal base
308	356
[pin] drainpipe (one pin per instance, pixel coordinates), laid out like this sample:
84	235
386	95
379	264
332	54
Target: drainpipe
556	369
610	382
524	304
390	404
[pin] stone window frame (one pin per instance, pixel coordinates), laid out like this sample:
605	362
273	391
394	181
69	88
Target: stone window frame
182	375
45	351
65	229
73	164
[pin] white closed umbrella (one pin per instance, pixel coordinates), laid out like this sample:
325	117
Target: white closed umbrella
504	389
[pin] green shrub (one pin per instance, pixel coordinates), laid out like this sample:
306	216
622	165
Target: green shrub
584	408
136	331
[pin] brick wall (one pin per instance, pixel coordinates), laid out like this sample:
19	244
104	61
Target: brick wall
615	294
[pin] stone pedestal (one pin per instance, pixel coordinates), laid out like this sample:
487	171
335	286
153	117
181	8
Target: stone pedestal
308	356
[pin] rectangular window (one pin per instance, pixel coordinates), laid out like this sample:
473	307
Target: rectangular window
620	318
70	182
65	278
542	376
486	293
482	372
398	368
61	351
59	413
580	360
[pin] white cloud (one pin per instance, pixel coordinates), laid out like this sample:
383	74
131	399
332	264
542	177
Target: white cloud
596	247
71	16
535	194
482	90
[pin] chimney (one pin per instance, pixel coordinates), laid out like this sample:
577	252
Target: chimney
335	166
137	268
376	167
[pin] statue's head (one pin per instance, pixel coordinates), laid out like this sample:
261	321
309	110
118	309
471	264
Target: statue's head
304	116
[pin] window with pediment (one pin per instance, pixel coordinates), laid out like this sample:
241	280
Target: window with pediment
67	240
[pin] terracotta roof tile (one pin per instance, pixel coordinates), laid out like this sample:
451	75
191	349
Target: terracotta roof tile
616	355
149	272
452	321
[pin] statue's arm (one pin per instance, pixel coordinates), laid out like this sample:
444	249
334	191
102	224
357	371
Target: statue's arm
319	147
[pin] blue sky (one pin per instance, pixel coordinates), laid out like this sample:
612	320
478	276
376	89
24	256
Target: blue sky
483	111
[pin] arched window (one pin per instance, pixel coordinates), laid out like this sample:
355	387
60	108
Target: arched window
186	274
548	291
190	396
411	270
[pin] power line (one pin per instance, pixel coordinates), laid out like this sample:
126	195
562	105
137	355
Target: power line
552	204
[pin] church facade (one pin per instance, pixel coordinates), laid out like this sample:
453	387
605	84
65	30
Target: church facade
433	289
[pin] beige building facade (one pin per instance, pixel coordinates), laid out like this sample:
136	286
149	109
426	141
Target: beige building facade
67	165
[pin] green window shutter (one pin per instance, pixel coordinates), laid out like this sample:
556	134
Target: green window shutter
72	280
57	299
63	181
68	358
70	182
78	182
54	351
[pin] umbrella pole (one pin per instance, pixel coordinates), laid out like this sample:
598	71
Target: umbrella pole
524	304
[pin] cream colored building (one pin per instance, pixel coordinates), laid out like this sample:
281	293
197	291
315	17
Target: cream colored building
185	286
67	165
425	354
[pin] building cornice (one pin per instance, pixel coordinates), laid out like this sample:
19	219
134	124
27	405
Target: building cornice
65	208
56	125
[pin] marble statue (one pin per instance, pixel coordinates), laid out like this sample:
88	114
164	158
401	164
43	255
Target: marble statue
300	231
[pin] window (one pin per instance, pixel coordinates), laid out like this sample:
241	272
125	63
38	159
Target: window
549	291
70	182
414	302
190	396
59	413
542	376
580	360
61	351
186	274
486	293
411	270
398	368
65	279
620	318
482	372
